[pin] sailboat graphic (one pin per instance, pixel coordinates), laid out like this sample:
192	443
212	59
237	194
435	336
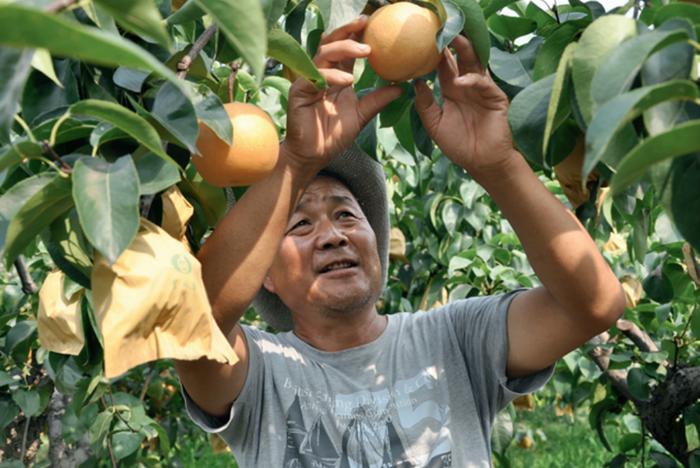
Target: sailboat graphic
312	448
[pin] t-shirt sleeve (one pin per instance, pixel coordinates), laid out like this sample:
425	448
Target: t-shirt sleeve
246	409
482	332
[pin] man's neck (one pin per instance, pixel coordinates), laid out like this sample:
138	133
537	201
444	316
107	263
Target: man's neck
338	332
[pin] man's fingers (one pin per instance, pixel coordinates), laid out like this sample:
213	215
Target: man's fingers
485	86
333	76
371	104
468	61
345	31
343	51
447	69
428	110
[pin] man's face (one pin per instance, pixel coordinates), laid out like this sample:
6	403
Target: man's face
328	257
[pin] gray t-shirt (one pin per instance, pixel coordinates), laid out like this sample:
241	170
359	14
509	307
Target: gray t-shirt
423	394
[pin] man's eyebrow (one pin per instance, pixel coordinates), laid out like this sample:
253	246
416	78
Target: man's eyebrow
336	199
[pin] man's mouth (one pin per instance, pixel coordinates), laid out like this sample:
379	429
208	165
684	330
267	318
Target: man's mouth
340	265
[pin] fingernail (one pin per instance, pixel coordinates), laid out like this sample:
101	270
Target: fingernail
363	48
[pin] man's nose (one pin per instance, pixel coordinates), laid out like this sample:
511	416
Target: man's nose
330	235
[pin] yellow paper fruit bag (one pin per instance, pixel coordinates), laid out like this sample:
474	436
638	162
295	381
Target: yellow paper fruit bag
177	211
151	304
60	323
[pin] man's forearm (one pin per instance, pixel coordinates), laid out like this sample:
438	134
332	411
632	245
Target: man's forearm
562	254
237	255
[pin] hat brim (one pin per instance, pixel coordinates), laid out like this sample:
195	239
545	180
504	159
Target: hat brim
365	178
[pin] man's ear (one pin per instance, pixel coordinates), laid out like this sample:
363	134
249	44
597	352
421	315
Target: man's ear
269	285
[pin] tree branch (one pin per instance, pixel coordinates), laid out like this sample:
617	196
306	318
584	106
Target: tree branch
28	285
49	151
601	357
662	413
184	64
689	258
638	337
59	5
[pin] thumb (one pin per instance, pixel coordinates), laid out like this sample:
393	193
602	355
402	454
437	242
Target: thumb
372	103
428	110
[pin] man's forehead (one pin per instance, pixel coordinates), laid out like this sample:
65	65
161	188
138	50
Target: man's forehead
326	188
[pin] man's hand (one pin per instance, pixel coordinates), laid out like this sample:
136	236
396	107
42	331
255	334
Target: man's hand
323	123
472	127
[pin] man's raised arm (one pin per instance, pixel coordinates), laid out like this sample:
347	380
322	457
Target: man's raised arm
580	296
235	258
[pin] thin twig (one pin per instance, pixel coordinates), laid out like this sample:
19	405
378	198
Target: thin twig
232	81
689	259
28	284
23	451
184	64
49	151
111	452
146	383
59	5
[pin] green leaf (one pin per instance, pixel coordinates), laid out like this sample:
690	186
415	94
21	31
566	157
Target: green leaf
638	383
12	200
559	99
20	333
682	139
175	112
6	379
685	199
130	79
614	114
188	12
107	199
615	75
336	14
597	42
47	204
496	5
516	68
452	26
527	117
210	110
283	48
100	427
695	325
8	412
674	61
125	443
14	69
69	249
18	151
138	16
28	400
155	174
677	10
22	26
42	62
658	287
552	51
511	27
243	24
476	29
123	118
272	10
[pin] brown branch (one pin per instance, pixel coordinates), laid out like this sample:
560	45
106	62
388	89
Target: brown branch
28	284
232	81
49	151
57	446
146	383
601	357
111	452
184	64
638	337
23	450
59	5
662	413
689	258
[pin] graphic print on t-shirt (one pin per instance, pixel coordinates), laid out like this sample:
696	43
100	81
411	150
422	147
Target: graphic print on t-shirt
403	426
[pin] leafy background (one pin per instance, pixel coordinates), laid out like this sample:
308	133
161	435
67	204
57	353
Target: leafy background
98	116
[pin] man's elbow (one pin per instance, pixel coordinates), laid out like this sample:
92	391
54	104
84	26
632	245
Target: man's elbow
608	309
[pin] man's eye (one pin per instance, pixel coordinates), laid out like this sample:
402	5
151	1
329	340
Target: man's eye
346	214
303	222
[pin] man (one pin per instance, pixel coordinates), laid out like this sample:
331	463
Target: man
347	386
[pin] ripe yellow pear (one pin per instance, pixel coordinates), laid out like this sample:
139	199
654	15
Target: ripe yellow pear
250	158
402	37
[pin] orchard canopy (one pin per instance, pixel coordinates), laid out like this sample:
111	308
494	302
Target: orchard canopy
102	104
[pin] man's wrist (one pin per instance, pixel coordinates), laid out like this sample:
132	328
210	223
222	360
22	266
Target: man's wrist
495	177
